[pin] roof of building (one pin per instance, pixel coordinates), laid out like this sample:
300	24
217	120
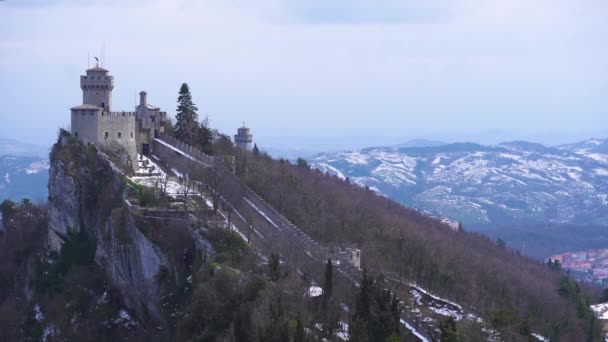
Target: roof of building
97	68
86	106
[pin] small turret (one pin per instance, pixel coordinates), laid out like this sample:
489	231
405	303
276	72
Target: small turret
142	98
243	138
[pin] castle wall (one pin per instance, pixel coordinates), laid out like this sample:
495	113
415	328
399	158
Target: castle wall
114	123
84	124
178	160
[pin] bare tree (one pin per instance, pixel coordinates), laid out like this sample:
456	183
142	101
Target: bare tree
214	178
185	188
232	194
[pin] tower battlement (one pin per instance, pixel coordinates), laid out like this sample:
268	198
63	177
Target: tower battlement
97	88
243	138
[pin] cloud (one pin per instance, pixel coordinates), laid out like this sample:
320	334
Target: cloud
306	68
363	11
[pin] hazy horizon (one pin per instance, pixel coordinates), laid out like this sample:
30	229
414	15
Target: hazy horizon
315	75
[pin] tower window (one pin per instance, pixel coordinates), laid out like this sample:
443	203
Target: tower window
131	135
105	135
75	134
119	135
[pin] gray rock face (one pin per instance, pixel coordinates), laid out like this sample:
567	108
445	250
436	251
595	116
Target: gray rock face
84	189
64	205
131	266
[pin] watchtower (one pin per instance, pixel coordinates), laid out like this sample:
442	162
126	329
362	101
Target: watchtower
243	138
97	88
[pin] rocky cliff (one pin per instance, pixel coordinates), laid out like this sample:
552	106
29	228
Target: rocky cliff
86	193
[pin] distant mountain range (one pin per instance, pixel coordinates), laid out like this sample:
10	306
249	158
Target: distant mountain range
512	182
22	177
18	148
23	171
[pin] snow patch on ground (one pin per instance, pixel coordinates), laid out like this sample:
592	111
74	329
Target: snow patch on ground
413	331
602	158
262	213
49	331
600	310
125	319
540	337
38	166
601	172
343	331
333	170
315	291
38	315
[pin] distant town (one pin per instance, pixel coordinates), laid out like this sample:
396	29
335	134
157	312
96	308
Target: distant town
588	265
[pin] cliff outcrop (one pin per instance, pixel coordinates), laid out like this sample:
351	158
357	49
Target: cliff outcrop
86	193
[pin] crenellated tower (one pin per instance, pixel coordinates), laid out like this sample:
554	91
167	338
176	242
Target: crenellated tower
243	138
97	88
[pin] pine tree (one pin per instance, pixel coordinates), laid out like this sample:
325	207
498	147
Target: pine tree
205	137
301	162
448	331
7	208
274	265
300	335
256	151
330	317
358	330
186	119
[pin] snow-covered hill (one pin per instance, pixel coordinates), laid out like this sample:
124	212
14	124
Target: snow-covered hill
508	183
23	177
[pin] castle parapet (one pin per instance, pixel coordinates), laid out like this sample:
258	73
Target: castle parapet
118	114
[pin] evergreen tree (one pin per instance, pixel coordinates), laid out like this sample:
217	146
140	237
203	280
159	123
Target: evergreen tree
7	208
274	264
186	119
256	151
300	335
301	162
358	330
448	331
362	309
604	297
205	137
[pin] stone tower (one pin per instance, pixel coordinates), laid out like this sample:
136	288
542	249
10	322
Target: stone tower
97	88
243	139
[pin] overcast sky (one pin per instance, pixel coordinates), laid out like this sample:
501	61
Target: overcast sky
319	73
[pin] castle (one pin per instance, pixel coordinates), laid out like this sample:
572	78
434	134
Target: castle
95	121
135	132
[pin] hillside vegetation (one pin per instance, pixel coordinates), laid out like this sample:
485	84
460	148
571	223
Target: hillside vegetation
517	295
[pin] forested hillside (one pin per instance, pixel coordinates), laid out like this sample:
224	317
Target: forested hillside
516	294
